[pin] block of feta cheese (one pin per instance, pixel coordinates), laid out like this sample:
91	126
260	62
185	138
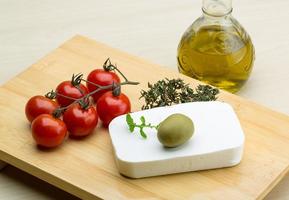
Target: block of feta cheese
217	141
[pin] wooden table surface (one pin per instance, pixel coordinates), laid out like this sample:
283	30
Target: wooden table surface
150	29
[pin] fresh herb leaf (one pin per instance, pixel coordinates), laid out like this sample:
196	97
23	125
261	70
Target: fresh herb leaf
132	125
167	92
142	133
142	119
131	128
130	122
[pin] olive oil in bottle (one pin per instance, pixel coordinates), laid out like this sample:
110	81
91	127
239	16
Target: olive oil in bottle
216	49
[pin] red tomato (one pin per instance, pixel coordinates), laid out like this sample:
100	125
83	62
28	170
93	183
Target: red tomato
66	88
48	131
103	78
38	105
110	106
80	122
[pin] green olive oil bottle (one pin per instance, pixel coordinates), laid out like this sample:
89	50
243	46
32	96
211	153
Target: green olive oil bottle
216	49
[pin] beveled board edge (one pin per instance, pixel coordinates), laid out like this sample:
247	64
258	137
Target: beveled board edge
43	175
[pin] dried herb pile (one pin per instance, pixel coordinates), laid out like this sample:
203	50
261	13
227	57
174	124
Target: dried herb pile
167	92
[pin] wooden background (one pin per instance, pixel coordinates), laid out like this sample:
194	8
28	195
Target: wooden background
150	29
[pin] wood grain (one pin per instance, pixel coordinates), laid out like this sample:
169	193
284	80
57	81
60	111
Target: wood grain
86	168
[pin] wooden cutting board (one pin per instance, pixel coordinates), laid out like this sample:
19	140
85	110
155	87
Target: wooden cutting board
86	168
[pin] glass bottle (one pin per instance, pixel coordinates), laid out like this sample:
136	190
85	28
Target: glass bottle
216	49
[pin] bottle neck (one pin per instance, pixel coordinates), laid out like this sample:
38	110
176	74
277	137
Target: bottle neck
217	8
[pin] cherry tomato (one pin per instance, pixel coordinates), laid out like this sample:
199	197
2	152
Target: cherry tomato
68	89
103	78
48	131
80	121
110	106
38	105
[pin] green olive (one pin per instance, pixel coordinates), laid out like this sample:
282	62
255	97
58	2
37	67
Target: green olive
175	130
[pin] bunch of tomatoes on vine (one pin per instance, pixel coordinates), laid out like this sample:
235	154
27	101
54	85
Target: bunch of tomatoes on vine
75	108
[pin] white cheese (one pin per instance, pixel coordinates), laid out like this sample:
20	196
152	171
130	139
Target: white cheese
217	141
